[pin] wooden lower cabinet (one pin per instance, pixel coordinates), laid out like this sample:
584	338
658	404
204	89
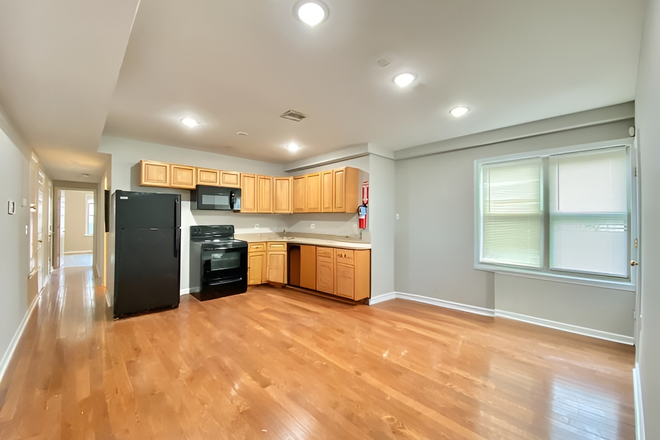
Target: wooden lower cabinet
257	264
325	281
267	263
277	262
345	277
308	267
335	271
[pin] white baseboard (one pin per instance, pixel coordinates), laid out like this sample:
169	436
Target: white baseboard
599	334
570	328
639	408
446	304
9	353
184	291
382	298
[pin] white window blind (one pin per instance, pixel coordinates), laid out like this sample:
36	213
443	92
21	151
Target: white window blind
512	220
589	211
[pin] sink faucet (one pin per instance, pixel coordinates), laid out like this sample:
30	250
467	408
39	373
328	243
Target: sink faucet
283	233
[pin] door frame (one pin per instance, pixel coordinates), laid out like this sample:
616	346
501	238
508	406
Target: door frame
63	185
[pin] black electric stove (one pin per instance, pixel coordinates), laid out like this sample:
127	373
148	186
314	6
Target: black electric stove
218	262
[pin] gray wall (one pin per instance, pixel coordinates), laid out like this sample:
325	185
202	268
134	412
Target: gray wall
381	224
647	117
14	264
434	244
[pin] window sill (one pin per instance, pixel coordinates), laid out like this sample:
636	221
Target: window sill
544	276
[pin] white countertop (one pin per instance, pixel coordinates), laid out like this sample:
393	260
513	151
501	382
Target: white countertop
330	242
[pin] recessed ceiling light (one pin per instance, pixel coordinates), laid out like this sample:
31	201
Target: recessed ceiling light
190	122
85	175
292	147
459	111
404	79
242	133
311	12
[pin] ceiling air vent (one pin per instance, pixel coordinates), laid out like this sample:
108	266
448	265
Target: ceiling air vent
293	115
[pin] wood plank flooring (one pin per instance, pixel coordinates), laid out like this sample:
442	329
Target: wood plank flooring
279	364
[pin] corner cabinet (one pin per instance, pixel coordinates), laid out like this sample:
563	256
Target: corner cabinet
267	263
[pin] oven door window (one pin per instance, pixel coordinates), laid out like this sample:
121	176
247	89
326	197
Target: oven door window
220	260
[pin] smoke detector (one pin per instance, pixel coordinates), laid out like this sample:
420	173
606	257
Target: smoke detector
293	115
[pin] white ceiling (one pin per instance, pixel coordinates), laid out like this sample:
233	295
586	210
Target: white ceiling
237	65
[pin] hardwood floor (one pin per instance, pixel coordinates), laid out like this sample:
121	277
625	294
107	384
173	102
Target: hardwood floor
279	364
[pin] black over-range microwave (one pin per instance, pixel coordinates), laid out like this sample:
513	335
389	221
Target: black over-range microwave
215	198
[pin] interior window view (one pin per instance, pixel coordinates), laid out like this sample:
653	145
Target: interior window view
323	219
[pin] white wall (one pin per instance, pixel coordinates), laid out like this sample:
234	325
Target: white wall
647	117
14	264
434	245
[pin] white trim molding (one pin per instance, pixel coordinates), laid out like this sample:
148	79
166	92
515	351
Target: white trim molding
432	301
639	408
446	304
483	311
570	328
185	291
382	298
9	353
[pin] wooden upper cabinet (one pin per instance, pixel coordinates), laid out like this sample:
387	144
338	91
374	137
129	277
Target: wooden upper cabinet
248	193
345	189
298	194
327	187
182	176
231	179
154	173
282	195
313	196
208	177
264	194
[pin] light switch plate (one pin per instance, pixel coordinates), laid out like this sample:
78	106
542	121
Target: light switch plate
11	207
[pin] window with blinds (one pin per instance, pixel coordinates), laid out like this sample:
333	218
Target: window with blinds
564	213
512	213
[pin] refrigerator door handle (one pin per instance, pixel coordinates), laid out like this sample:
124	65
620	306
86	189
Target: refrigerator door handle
177	227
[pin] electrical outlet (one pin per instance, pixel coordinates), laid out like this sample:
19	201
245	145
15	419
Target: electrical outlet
312	226
397	216
355	228
256	226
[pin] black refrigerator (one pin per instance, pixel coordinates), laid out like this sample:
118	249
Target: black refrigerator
147	232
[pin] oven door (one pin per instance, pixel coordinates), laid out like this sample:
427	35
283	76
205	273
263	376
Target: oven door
221	264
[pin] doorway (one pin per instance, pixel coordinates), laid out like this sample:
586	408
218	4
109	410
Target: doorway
76	227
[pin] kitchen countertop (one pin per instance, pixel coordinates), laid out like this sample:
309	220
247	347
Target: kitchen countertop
330	241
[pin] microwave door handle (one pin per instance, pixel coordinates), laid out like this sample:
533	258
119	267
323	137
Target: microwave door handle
232	199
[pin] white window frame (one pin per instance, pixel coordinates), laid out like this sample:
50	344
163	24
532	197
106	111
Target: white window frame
89	197
544	273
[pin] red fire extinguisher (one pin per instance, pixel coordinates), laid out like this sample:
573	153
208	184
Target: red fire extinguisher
362	209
